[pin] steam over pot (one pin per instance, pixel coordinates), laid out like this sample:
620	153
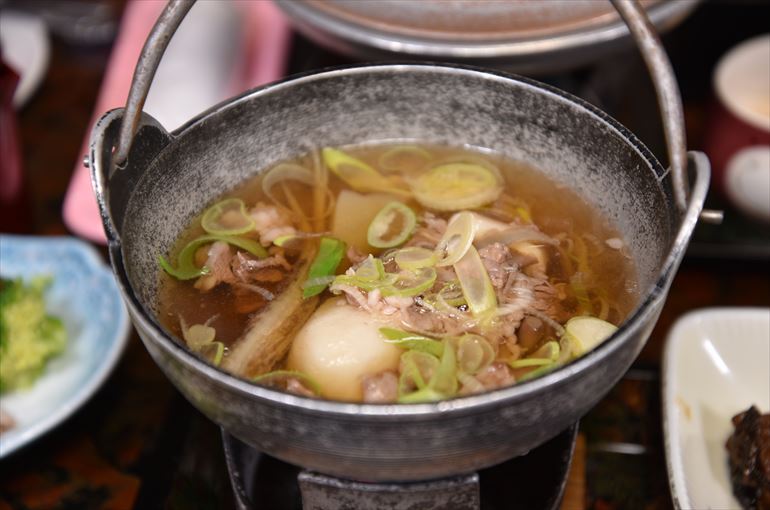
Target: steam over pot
169	177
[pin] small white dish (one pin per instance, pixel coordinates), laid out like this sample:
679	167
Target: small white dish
716	364
85	297
26	49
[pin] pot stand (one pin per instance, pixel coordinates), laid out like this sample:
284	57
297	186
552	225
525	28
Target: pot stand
534	481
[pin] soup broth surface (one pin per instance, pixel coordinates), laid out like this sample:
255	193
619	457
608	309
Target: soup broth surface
575	264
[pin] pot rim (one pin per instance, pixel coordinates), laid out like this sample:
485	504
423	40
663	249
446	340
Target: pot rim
647	305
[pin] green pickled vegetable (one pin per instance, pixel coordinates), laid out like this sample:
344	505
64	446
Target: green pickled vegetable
29	336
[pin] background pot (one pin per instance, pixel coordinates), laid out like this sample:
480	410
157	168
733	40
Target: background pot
525	36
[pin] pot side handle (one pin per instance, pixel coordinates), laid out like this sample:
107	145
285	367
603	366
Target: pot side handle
114	185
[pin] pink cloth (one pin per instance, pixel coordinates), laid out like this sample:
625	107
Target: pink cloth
266	41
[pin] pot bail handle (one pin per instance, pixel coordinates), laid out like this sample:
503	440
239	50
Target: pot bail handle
642	30
149	60
666	90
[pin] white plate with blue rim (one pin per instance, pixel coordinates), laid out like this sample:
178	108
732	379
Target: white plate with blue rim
84	295
716	364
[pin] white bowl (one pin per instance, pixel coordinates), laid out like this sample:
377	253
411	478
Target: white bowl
716	364
85	296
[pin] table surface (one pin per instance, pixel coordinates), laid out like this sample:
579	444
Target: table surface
139	444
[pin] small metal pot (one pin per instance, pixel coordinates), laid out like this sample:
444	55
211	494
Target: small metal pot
525	36
157	187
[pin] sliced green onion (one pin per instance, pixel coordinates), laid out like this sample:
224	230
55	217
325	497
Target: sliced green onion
371	269
198	335
411	283
285	172
413	341
212	352
529	362
357	174
414	257
474	353
416	369
186	268
549	350
444	380
404	158
469	383
298	236
547	358
539	371
391	226
474	280
329	256
271	377
585	333
322	281
201	339
362	283
283	240
423	395
451	294
457	239
581	293
228	217
371	275
456	186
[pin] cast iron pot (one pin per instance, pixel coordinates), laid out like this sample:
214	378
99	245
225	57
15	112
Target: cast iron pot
167	178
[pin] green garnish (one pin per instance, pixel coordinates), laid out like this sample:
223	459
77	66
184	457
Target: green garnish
321	271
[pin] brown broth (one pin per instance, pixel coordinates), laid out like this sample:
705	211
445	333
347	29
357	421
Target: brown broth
555	209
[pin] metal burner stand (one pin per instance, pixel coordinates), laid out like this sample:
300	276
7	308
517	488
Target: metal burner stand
534	481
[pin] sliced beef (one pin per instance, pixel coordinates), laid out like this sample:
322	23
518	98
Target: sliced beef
381	388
